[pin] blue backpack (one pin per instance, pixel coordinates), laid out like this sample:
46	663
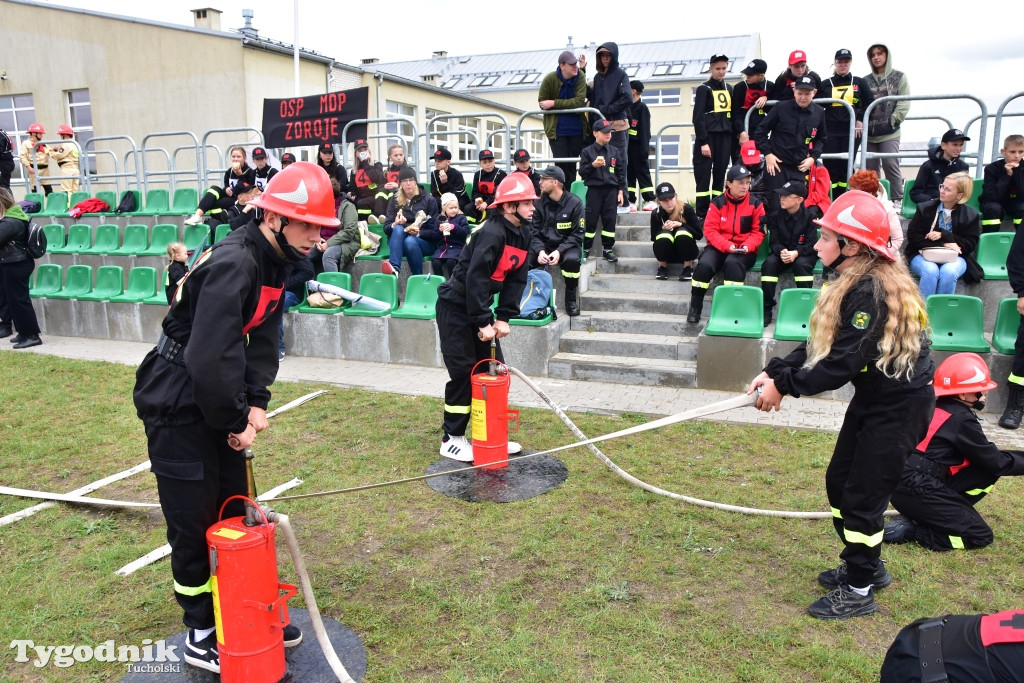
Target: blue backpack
536	301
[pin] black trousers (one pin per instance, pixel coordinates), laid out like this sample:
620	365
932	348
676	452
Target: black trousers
620	144
709	172
376	205
734	269
215	200
15	303
785	174
879	431
675	246
639	171
568	263
600	209
6	170
461	349
837	167
803	274
196	471
567	146
944	511
992	214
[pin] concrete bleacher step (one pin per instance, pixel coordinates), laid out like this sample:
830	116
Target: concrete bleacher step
633	233
643	285
636	323
630	249
632	370
625	344
631	302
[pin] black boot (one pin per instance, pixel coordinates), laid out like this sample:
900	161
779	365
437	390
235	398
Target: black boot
696	306
572	305
767	316
1014	407
5	331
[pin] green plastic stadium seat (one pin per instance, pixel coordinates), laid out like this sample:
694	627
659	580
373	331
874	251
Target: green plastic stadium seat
579	189
1004	335
795	306
993	248
762	252
78	282
138	203
194	236
56	205
736	311
158	201
957	322
48	280
383	251
54	237
885	183
141	286
109	282
136	239
909	207
376	286
420	297
975	201
222	231
186	201
38	198
110	197
163	234
343	280
79	239
77	197
106	241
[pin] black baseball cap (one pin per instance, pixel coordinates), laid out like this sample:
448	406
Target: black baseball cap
602	126
665	191
242	186
442	154
637	85
486	154
287	158
718	58
259	153
555	173
843	54
793	187
361	143
755	66
954	134
326	147
737	172
521	155
805	83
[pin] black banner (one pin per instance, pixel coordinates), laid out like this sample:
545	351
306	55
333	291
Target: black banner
314	119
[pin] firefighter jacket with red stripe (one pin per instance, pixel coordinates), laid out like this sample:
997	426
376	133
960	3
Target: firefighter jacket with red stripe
712	110
368	179
743	98
956	441
734	222
226	314
853	353
792	133
792	231
492	262
485	184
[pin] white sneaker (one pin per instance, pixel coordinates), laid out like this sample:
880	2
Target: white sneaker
372	220
632	207
457	448
622	209
194	219
514	447
650	206
202	654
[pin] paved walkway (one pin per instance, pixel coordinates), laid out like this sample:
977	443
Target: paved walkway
570	395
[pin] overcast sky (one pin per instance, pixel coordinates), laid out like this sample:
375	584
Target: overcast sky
943	47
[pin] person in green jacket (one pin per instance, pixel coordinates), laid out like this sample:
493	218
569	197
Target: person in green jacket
343	245
565	88
887	117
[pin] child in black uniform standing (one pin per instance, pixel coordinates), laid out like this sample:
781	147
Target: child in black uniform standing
712	130
868	328
599	166
639	168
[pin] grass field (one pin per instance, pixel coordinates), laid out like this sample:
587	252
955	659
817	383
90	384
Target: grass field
593	581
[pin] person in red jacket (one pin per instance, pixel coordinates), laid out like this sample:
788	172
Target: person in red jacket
733	232
819	184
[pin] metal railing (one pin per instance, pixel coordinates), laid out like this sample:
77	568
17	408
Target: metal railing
173	172
658	167
205	171
850	153
535	112
51	177
476	138
998	130
411	154
117	175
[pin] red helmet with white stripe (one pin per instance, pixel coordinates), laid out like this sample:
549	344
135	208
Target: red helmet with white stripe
515	188
860	217
37	128
301	191
962	373
65	129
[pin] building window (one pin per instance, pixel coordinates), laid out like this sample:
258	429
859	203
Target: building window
632	71
464	147
438	130
399	131
693	96
17	112
451	83
518	79
495	140
707	67
663	97
80	115
483	81
669	150
660	70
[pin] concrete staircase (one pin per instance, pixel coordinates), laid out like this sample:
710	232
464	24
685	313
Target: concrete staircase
632	328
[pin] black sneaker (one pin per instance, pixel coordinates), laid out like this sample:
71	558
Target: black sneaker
834	578
16	339
26	342
204	653
292	635
899	529
842	603
687	274
662	273
610	256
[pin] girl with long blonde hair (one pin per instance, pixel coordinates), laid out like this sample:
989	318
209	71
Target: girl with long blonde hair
868	328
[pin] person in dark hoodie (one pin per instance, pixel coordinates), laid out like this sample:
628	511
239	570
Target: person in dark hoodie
639	170
712	128
886	118
943	162
782	89
750	93
611	95
854	91
565	88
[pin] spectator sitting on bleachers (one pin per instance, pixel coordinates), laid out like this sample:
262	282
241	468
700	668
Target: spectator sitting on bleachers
177	258
557	236
1003	188
342	246
782	89
941	163
287	159
675	229
396	162
368	183
733	232
521	159
446	178
867	181
945	222
66	155
328	160
791	238
485	182
241	212
294	293
220	198
408	212
819	186
263	171
449	233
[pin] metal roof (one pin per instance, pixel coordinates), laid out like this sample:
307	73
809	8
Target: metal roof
678	59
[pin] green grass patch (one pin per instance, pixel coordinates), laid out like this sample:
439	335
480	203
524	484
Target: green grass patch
594	581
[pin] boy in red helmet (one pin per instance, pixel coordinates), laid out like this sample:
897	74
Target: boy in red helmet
202	393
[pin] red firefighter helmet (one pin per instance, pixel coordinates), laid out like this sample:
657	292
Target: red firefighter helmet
516	187
36	128
860	217
962	373
301	191
64	129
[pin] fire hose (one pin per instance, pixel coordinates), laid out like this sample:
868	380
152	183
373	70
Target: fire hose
323	288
